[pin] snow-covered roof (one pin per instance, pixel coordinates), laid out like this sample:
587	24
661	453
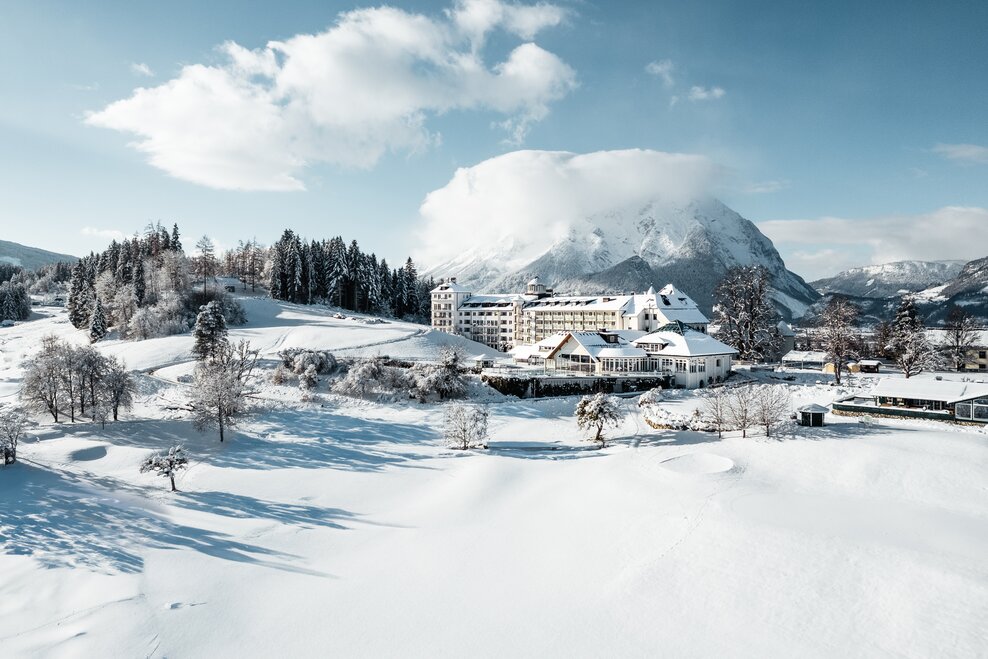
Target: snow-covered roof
869	362
481	358
677	340
500	300
814	356
785	329
589	303
948	391
450	287
598	347
813	408
534	281
670	302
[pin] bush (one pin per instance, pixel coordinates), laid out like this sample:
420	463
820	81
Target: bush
298	360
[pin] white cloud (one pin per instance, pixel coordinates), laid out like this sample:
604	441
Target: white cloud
109	234
141	69
365	86
662	69
530	199
766	187
964	153
821	247
698	93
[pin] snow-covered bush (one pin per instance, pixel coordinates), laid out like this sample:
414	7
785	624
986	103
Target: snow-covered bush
307	381
465	426
299	359
596	412
444	379
166	464
280	374
361	378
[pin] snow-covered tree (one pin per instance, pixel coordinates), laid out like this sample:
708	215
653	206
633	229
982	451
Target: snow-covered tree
220	387
445	378
960	335
166	464
916	353
772	406
97	323
80	297
715	409
744	314
465	426
210	331
741	406
42	389
839	336
596	412
205	262
13	421
119	387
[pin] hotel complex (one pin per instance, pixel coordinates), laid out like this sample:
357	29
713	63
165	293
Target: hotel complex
647	333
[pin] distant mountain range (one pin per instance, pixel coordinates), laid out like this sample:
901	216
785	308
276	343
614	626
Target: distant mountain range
935	286
30	258
633	248
890	279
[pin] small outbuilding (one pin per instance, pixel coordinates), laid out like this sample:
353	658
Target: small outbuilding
869	365
812	415
481	361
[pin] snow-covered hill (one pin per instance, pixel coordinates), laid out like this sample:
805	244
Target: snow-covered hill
30	258
889	279
688	244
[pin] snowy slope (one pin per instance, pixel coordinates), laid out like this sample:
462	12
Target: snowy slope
690	245
343	528
890	279
30	258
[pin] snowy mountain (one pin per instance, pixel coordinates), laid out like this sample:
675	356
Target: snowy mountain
967	288
890	279
690	245
30	258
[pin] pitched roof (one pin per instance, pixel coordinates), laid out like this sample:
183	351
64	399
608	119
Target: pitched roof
450	287
947	391
678	340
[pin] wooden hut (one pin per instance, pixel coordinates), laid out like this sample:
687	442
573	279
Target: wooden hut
812	415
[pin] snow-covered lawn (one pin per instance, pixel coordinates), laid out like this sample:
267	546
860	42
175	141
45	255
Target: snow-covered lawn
343	528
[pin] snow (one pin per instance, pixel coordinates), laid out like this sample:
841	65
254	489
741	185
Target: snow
344	528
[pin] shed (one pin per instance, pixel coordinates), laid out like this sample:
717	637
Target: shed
812	415
869	365
482	361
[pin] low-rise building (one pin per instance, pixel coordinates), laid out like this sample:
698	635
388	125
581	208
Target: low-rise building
923	397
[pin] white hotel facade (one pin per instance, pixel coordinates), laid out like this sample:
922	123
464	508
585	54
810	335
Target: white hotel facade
508	320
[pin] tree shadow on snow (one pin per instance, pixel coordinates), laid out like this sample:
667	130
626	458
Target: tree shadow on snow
281	439
64	520
239	506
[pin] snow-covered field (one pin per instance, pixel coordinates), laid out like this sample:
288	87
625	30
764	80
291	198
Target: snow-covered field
343	528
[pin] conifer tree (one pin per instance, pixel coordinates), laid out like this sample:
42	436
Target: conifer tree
97	325
209	332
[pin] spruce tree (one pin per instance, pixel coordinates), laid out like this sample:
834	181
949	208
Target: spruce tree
80	297
209	332
97	325
140	286
176	243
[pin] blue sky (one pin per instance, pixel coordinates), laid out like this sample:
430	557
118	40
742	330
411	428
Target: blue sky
834	125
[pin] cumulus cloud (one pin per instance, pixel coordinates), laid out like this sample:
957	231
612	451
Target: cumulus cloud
141	69
964	153
526	200
367	85
698	93
662	69
824	246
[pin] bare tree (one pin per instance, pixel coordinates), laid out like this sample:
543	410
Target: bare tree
916	354
205	263
961	334
166	464
465	426
741	408
119	387
839	335
220	387
772	405
596	412
42	390
716	408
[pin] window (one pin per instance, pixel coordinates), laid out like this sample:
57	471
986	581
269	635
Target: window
718	362
982	354
962	410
